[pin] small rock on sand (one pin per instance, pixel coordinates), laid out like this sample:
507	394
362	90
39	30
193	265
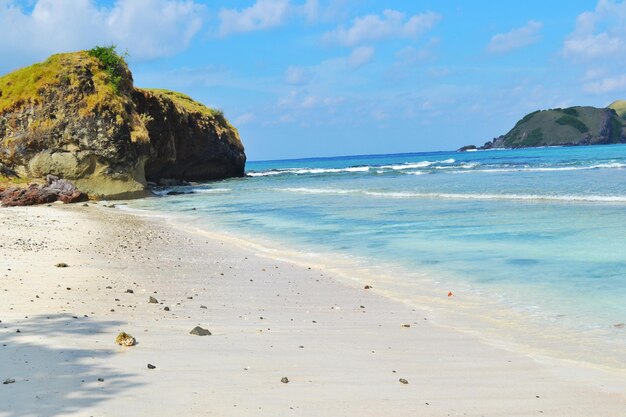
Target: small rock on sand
199	331
368	287
284	380
403	381
130	291
150	366
166	308
124	339
153	300
9	381
61	265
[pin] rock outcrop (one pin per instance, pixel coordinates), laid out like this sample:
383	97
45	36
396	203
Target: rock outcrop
564	127
78	116
54	189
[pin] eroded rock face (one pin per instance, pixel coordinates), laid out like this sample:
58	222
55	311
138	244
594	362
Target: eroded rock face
188	146
107	140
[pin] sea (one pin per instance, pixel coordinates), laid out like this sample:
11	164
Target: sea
524	248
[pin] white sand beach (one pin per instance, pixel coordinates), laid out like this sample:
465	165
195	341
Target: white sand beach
343	349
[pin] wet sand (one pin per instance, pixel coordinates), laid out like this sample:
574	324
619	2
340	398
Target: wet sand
343	349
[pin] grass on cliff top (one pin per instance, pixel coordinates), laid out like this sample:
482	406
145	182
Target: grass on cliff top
186	102
620	108
61	71
191	106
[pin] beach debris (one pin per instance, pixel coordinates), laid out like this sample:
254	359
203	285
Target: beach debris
9	381
368	287
166	309
406	325
130	291
620	325
284	380
450	294
403	381
204	307
153	300
61	265
150	366
124	339
199	331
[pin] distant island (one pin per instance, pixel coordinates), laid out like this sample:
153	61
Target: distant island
77	116
572	126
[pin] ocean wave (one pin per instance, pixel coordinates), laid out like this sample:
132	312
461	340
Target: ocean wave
460	196
212	190
300	171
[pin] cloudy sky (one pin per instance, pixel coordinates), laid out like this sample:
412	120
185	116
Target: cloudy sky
303	78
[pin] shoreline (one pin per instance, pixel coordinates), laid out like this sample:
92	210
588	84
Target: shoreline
469	311
260	311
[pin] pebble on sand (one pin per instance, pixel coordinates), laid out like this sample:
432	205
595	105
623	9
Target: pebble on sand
150	366
130	291
368	287
284	380
61	265
403	381
153	300
9	381
199	331
124	339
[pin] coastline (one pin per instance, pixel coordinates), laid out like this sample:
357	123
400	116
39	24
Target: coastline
345	367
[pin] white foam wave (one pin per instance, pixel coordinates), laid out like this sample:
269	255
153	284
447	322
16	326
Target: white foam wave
412	165
461	196
300	171
212	190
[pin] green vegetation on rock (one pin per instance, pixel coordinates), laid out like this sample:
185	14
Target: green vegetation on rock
620	108
114	64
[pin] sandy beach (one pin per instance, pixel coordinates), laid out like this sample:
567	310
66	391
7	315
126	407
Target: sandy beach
342	348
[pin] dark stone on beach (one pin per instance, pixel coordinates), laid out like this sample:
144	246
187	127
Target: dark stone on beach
18	331
620	325
61	265
130	291
199	331
204	307
9	381
54	189
150	366
153	300
101	379
166	309
368	287
403	381
284	380
406	325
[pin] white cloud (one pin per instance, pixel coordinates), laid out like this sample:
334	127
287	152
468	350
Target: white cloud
297	76
598	34
516	38
244	119
360	56
606	85
392	24
263	14
146	28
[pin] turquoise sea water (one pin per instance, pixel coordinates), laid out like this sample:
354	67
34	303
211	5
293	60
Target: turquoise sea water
538	233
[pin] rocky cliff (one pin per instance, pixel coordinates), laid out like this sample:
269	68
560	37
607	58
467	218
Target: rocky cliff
78	116
563	127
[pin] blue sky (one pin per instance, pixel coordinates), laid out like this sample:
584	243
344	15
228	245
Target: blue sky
319	78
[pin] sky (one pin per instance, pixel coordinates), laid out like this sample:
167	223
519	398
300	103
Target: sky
306	78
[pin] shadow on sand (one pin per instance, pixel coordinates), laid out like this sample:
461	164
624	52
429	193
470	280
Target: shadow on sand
60	378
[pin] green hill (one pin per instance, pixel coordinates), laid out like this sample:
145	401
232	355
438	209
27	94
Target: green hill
566	127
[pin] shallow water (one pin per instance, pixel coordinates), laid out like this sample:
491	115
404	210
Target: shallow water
540	233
